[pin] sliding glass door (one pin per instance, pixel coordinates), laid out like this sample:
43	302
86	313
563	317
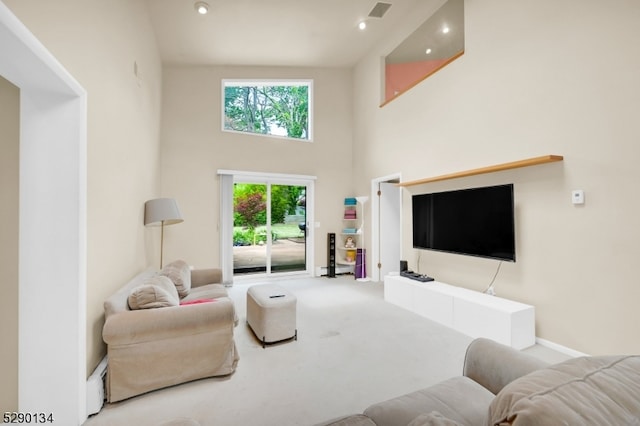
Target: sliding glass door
269	227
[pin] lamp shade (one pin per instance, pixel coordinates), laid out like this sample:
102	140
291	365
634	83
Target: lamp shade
162	211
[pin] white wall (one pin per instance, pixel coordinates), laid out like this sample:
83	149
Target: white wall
537	78
194	148
51	184
99	43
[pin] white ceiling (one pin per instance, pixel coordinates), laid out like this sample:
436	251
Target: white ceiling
271	32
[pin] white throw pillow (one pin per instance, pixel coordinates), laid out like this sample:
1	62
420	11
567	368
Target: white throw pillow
150	297
165	283
180	273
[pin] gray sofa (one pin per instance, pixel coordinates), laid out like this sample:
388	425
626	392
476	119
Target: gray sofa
168	327
501	386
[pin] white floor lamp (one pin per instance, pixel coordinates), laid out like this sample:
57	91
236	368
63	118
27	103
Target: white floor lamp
161	211
362	273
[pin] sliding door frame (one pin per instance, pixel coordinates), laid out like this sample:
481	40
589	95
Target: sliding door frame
227	179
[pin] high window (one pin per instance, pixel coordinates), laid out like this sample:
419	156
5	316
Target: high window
280	108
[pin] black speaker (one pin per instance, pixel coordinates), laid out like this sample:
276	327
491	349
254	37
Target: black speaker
331	255
403	266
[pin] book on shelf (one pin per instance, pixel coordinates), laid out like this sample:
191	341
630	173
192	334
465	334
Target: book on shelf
349	230
350	201
350	214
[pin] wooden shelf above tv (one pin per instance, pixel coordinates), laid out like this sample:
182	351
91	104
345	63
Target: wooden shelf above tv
490	169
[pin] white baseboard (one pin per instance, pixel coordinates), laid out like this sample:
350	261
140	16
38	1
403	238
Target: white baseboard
95	388
559	348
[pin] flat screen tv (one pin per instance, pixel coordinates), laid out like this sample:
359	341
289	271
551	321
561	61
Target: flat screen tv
475	222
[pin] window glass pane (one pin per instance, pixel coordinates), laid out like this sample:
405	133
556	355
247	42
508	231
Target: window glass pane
280	108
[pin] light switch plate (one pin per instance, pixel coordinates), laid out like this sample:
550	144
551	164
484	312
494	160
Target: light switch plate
577	196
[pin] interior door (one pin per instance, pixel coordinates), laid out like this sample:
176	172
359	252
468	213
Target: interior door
390	228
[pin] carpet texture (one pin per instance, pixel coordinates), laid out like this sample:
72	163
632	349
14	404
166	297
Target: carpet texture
353	349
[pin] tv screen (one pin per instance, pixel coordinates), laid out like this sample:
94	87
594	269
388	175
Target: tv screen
475	222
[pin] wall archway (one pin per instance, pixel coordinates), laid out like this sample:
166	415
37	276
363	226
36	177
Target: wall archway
52	229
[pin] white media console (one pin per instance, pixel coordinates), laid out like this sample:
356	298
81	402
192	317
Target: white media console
470	312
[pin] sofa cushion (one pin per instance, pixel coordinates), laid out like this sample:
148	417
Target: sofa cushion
586	391
209	291
149	297
432	419
459	399
352	420
180	273
495	365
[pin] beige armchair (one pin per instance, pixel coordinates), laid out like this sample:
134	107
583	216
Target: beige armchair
156	339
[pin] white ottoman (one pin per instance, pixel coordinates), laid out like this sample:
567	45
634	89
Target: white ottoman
271	313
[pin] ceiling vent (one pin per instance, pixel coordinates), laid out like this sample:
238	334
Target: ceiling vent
379	10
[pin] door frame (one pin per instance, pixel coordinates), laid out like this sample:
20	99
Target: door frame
226	216
376	231
52	226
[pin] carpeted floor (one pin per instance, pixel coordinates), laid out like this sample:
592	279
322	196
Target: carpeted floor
353	349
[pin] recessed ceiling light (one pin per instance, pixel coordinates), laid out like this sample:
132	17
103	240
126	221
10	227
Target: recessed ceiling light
445	29
362	25
201	7
428	51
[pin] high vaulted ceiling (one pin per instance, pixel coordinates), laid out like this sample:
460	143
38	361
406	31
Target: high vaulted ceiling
271	32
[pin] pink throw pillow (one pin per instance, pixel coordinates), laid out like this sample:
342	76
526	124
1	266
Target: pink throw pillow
196	301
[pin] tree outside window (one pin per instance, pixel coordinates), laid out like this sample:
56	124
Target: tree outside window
280	108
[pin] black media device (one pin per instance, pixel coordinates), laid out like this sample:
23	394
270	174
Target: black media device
415	276
331	255
475	222
403	266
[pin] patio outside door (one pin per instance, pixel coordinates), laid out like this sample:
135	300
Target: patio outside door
269	231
